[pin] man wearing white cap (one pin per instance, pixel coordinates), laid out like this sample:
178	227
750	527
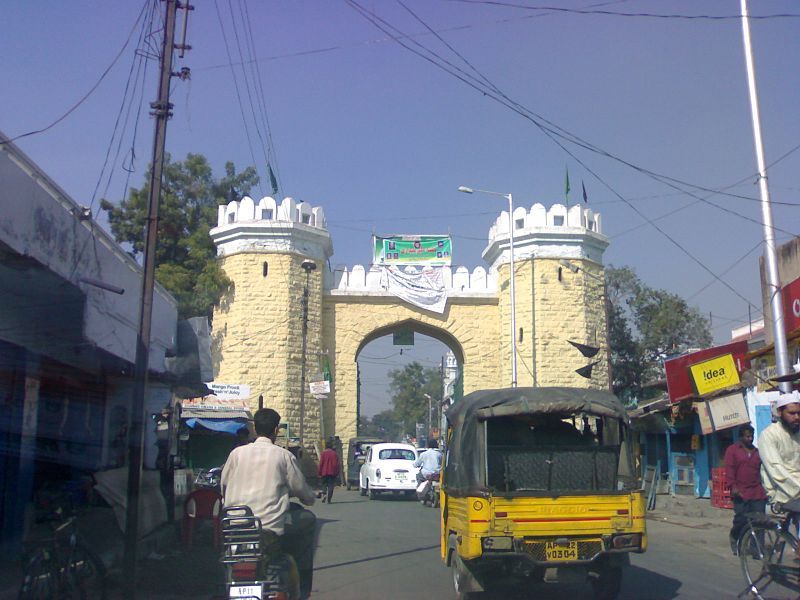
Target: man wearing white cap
779	446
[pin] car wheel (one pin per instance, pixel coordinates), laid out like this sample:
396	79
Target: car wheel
370	492
362	490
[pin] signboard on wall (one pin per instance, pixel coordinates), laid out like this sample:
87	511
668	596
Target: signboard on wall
433	250
728	411
679	381
714	374
791	305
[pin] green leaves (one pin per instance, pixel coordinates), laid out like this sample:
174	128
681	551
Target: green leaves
408	387
646	326
185	255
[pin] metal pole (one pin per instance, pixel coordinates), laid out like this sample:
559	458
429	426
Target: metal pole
773	276
161	111
513	295
303	366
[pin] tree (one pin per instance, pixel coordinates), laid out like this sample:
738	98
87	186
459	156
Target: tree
646	326
409	386
186	262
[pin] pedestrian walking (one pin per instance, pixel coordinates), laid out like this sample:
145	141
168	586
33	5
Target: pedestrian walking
743	472
328	471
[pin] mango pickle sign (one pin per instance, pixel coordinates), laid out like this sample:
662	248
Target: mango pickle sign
714	374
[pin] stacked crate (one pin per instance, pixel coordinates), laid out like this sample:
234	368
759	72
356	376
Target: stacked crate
720	489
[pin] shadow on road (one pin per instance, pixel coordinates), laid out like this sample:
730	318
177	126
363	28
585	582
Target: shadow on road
378	557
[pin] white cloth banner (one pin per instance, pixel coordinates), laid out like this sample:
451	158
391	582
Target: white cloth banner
424	289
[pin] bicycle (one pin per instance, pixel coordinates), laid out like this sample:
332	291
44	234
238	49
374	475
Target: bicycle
768	552
62	566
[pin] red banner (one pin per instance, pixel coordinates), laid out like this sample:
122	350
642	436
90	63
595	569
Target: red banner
791	306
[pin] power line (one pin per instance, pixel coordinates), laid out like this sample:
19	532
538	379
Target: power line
609	13
551	132
91	90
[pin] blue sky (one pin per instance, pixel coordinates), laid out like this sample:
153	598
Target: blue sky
382	138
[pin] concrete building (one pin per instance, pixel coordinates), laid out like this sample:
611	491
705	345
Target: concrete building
258	326
69	307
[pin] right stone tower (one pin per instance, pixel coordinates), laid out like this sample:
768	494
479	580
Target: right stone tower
560	295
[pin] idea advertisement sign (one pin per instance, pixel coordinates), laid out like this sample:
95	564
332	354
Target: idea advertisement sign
714	374
680	382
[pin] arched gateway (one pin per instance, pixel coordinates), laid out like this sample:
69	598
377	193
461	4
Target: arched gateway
258	327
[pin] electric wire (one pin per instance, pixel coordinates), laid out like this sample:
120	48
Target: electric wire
247	85
91	90
238	93
552	133
583	11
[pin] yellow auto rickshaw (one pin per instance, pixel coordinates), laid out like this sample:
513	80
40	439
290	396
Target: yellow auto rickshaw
537	481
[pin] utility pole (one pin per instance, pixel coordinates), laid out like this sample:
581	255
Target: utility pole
161	112
771	258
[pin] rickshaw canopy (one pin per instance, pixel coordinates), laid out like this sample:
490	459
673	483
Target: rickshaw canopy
467	445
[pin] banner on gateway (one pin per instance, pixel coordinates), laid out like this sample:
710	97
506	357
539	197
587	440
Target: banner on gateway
433	250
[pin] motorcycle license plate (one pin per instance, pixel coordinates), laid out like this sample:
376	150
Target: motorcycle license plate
250	592
559	552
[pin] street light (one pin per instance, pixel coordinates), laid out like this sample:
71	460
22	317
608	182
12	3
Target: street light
307	266
427	435
508	197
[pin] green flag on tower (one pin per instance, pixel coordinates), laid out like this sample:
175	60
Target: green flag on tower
566	185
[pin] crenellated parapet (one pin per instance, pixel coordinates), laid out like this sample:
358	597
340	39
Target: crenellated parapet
267	226
458	281
558	232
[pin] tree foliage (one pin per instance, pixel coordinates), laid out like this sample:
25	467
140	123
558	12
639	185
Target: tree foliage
646	326
408	387
185	255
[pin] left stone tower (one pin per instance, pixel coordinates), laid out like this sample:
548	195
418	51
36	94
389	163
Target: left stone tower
258	325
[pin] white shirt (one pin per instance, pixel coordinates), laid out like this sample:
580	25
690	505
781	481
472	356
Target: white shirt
780	462
262	476
430	461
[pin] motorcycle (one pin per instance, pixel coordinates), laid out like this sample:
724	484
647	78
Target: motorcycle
428	489
251	574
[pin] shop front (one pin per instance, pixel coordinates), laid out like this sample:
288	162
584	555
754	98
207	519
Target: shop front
708	395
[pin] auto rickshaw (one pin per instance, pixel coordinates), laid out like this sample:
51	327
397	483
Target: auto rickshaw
536	480
356	453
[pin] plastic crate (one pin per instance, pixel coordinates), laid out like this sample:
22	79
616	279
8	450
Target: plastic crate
718	474
721	494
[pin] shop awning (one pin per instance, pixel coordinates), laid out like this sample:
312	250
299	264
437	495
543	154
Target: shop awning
229	426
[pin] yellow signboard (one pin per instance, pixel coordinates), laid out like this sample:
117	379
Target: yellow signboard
714	374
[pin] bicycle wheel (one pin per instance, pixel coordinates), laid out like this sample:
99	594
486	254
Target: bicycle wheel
768	559
86	577
38	578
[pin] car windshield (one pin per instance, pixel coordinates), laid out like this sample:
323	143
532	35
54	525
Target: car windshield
396	454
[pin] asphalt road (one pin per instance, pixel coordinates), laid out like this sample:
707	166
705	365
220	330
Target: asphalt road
388	548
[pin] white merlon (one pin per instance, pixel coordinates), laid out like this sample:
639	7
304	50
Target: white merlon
541	233
458	281
291	226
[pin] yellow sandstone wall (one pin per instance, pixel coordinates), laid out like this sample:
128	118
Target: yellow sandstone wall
257	333
472	323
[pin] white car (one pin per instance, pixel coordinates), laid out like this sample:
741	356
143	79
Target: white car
388	468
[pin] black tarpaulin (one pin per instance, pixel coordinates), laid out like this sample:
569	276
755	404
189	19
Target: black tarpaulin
464	473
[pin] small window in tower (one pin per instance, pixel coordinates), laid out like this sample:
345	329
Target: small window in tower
231	217
266	214
558	220
519	223
265	269
591	225
306	219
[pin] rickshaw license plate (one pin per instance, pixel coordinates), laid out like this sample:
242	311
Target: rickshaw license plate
251	592
556	552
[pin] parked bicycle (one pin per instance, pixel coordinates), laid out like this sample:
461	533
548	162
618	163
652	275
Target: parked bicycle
61	565
768	551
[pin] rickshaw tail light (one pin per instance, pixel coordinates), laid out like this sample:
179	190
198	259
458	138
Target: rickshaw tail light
630	540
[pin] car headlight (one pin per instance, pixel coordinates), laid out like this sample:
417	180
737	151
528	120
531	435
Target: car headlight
498	543
378	473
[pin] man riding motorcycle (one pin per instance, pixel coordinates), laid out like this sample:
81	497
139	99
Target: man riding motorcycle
430	461
262	476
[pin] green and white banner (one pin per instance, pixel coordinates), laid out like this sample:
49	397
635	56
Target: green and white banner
433	250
